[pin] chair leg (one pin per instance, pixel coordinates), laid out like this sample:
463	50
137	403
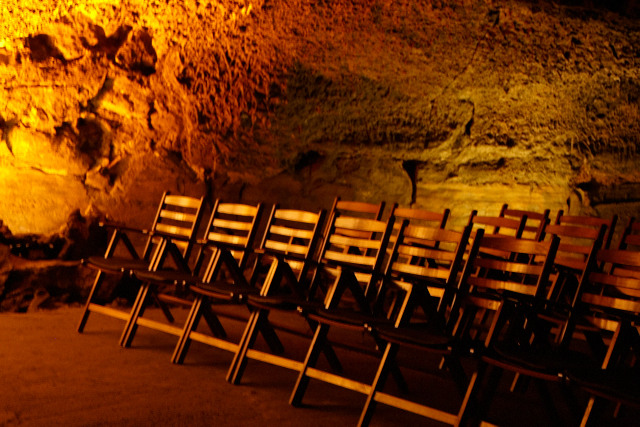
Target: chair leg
85	313
313	353
136	311
327	349
469	407
239	363
190	324
592	412
387	361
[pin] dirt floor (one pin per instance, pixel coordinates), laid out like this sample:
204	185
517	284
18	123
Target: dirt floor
52	375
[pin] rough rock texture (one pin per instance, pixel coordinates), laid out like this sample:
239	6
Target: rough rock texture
464	104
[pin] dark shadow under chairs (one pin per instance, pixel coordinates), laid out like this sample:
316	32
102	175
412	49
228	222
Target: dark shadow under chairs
172	234
224	258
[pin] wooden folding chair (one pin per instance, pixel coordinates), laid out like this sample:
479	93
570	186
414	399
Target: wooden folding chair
609	306
228	242
172	233
291	243
428	274
535	224
508	288
356	272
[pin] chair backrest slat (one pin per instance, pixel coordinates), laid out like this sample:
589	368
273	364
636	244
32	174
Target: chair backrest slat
177	218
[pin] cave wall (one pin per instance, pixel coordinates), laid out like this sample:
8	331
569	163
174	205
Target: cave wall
464	104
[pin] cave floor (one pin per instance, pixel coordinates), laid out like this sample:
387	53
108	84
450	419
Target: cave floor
52	375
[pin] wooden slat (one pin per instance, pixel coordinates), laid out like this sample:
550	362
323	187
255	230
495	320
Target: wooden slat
213	341
362	224
502	285
416	408
350	258
510	244
183	201
629	258
159	326
178	216
291	232
297	216
421	271
364	207
231	225
272	359
611	302
572	231
497	221
428	233
434	254
354	242
227	238
108	311
237	209
286	247
512	267
616	279
173	230
338	380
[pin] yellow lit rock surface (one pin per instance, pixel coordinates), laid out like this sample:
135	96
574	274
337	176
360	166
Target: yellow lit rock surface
463	104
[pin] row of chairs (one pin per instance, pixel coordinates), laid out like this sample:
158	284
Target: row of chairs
513	292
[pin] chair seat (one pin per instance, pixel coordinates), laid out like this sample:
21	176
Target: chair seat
423	336
168	277
282	302
346	317
117	264
549	363
620	384
223	291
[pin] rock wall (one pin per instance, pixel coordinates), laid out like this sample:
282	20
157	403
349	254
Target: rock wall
464	104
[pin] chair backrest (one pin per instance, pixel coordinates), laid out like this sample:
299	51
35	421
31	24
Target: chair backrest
535	223
487	279
610	303
576	244
630	235
425	264
233	226
420	217
177	219
594	222
498	225
358	245
293	235
613	293
354	209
